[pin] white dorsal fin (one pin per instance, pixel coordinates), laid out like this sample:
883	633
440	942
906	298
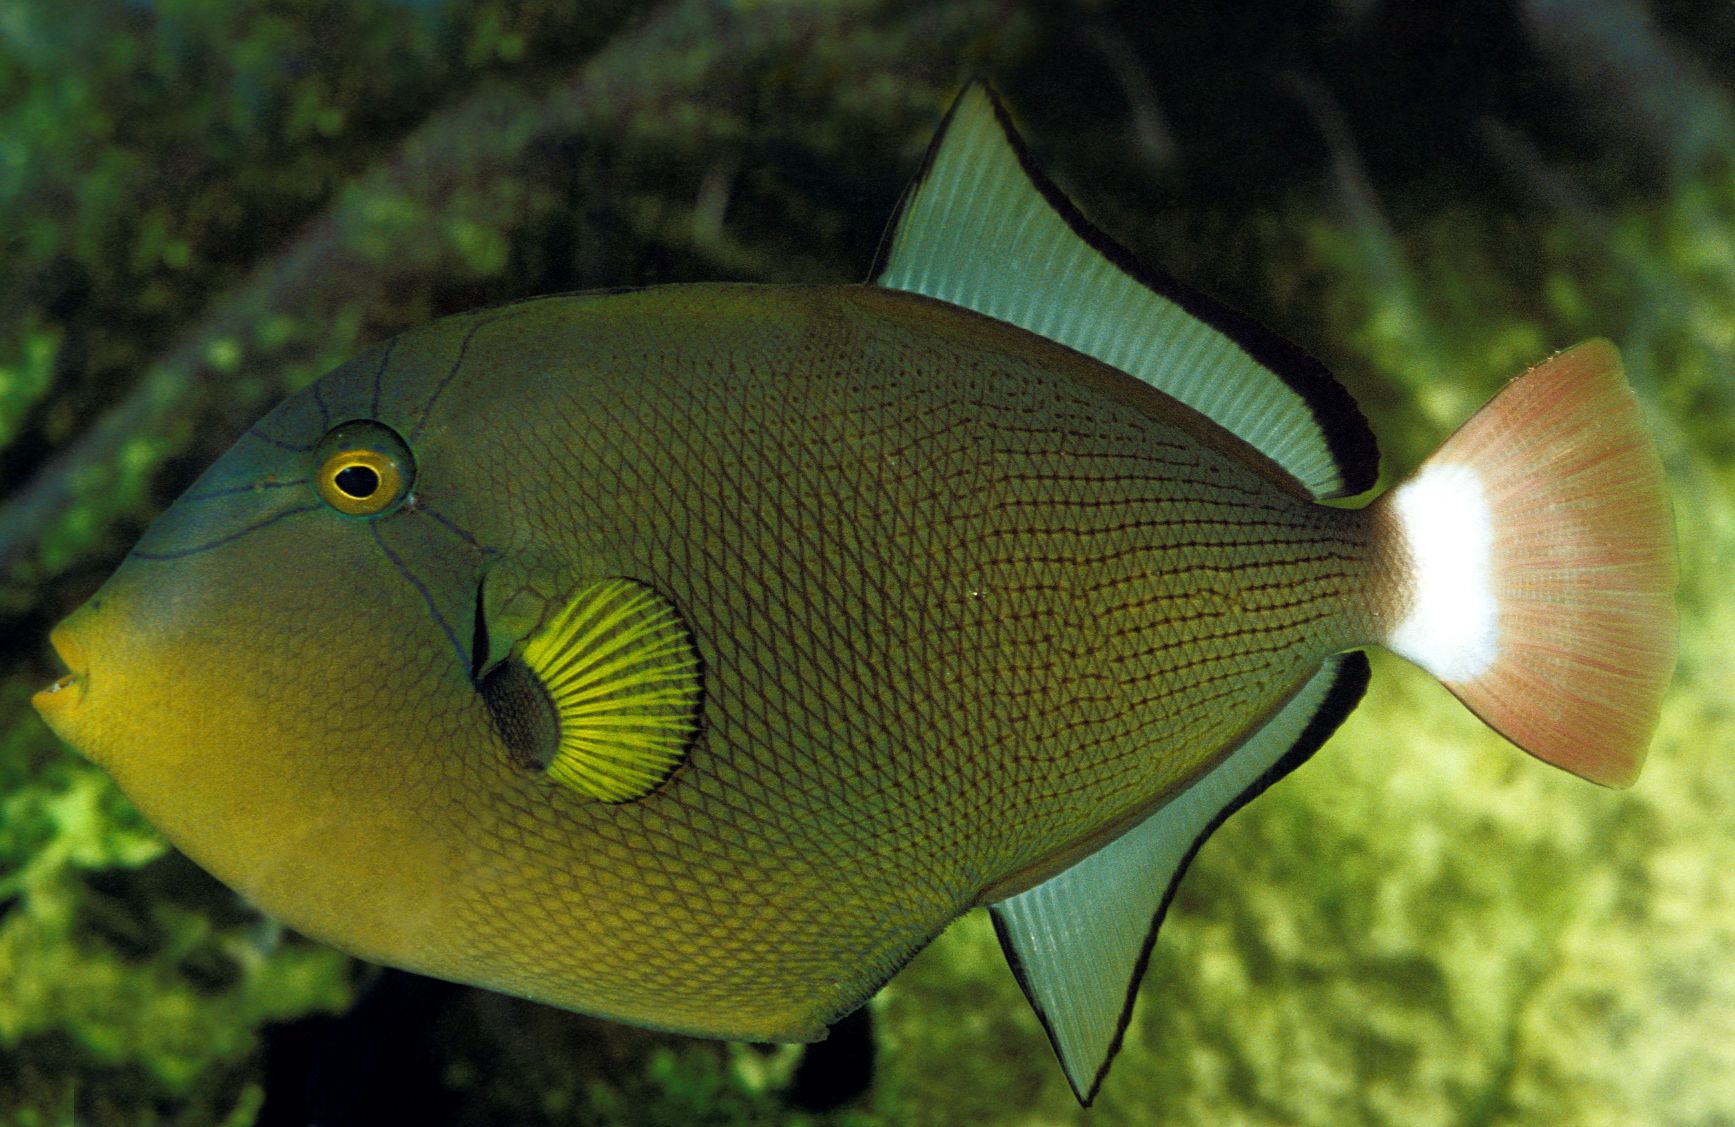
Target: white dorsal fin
1078	942
981	227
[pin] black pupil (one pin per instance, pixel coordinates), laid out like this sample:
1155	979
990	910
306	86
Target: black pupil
359	482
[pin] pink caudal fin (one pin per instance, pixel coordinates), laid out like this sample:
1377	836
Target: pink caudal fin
1537	550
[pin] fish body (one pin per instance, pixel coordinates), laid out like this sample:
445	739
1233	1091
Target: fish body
692	656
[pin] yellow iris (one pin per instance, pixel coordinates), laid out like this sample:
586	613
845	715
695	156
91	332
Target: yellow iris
360	482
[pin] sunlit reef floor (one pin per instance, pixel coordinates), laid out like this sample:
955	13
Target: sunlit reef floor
1420	927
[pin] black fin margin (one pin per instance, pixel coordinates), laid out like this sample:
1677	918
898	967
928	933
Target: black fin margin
1346	691
1347	434
883	252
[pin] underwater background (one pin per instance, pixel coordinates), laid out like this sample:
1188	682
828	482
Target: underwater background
206	203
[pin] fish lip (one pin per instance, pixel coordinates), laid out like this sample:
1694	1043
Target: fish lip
69	688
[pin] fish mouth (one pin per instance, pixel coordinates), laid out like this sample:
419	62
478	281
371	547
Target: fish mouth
68	689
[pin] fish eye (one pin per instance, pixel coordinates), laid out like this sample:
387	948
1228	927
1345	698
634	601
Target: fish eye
363	469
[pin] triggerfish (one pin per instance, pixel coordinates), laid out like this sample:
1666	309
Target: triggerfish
692	656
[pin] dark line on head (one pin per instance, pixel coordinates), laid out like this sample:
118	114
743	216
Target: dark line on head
293	448
457	530
234	490
458	363
422	588
379	374
319	399
183	553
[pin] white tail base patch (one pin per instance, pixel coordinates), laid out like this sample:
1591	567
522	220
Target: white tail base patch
1452	629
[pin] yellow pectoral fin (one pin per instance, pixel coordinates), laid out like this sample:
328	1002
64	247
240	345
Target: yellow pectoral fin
604	696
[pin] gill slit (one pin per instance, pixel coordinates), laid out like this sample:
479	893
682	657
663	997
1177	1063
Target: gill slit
479	622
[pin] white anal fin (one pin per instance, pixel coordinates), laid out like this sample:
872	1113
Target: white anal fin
981	227
1078	942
